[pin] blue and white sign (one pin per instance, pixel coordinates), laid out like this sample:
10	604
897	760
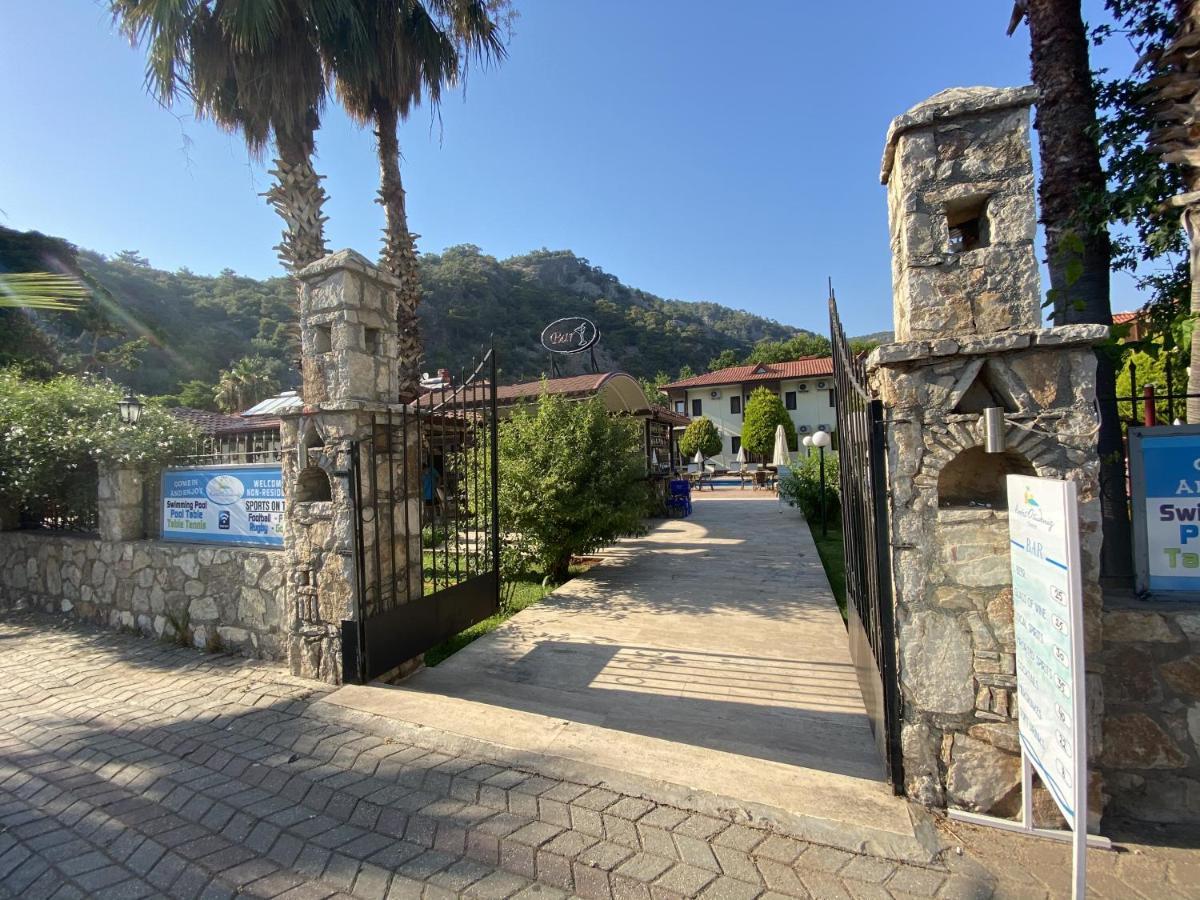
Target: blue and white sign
1043	527
224	504
1164	465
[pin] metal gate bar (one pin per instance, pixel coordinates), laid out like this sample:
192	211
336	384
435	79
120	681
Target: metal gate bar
870	610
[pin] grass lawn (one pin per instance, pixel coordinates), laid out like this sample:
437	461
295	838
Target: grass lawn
525	593
830	550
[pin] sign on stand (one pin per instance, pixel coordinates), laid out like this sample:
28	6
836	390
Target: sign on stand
1043	528
1164	476
224	504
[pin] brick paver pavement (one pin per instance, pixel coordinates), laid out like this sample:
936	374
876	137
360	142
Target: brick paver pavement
131	769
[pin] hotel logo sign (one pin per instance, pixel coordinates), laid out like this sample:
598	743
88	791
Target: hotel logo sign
574	334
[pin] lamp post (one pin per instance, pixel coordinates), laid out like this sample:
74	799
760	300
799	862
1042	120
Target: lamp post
820	440
130	408
807	442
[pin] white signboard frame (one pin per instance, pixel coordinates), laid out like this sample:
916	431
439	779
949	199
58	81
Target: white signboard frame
1043	526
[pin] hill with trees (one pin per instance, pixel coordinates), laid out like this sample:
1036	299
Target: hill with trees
177	333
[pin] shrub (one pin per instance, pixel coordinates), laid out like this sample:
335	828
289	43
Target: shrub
50	430
572	479
802	487
701	435
764	413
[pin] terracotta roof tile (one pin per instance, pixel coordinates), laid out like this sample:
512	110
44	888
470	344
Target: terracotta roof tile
1120	318
808	367
213	422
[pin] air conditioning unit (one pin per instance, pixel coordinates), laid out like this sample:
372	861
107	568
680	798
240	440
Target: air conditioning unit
803	429
826	428
716	395
802	388
820	385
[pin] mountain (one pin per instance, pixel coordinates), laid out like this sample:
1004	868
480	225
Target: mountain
192	326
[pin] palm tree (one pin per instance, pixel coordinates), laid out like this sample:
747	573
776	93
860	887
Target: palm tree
412	51
251	380
1078	251
1175	103
252	66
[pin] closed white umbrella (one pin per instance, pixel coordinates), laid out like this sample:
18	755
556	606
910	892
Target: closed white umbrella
741	455
698	458
781	457
653	458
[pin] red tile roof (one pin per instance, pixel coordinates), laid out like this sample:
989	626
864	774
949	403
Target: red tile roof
1120	318
571	385
808	367
214	422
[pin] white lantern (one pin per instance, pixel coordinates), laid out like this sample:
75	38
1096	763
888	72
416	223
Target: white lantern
821	439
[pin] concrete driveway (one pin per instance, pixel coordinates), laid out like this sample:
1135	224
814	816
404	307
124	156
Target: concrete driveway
709	654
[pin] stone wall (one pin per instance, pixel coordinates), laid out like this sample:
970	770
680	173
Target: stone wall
222	598
1151	751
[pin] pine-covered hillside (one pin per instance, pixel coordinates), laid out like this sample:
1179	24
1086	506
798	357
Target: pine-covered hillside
190	327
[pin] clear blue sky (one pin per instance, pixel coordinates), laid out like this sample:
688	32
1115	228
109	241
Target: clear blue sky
697	150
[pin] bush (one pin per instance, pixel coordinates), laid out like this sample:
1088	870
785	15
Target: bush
764	414
50	430
572	479
802	487
701	435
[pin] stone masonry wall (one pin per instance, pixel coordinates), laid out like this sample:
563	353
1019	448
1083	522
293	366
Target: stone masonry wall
228	598
1151	756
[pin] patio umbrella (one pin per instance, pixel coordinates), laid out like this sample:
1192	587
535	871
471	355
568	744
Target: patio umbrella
741	456
653	458
781	457
698	458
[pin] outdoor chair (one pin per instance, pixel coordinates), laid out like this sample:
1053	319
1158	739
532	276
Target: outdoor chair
679	496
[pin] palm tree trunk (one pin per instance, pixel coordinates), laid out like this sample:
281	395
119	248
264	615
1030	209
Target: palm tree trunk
1191	223
1070	160
297	196
399	256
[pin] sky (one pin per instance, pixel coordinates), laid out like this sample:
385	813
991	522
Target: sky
694	149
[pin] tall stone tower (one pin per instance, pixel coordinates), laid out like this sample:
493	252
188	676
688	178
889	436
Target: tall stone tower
960	206
969	338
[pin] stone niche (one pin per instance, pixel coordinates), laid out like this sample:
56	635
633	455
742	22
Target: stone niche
967	313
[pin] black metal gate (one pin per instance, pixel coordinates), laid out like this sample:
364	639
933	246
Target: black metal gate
870	610
424	487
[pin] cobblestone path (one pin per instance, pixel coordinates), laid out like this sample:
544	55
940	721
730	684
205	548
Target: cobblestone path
131	769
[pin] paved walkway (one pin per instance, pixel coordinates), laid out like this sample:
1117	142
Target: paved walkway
130	768
709	655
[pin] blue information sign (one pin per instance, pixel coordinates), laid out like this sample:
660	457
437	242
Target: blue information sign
224	504
1165	474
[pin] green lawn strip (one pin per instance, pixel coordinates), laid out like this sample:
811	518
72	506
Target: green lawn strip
831	551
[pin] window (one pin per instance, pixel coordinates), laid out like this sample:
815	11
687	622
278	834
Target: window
322	338
735	406
697	408
831	396
735	444
789	400
967	222
371	340
681	407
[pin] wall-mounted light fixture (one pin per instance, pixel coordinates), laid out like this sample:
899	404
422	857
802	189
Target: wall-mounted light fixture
993	430
130	408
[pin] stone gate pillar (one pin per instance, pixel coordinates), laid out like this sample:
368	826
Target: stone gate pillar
350	376
967	307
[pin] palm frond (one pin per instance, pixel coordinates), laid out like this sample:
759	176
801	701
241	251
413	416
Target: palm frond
42	290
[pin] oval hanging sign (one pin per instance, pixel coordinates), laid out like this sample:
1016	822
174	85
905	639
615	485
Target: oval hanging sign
570	335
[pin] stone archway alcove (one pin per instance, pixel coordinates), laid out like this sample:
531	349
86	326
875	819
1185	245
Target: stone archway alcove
313	486
976	478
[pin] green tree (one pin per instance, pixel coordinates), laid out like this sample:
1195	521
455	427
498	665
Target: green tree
653	387
1078	248
571	481
764	413
797	347
251	380
726	359
700	435
194	394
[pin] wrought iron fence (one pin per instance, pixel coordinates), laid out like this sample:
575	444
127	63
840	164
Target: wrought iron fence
71	505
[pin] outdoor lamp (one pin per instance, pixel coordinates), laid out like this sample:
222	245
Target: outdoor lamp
130	408
807	442
820	440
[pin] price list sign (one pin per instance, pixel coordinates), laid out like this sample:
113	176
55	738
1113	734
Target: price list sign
1043	526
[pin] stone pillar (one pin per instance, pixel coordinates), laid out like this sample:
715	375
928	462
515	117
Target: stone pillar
967	317
119	504
350	365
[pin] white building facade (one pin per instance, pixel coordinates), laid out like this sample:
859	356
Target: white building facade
804	385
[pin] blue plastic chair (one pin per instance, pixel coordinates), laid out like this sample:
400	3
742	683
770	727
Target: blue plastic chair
679	496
